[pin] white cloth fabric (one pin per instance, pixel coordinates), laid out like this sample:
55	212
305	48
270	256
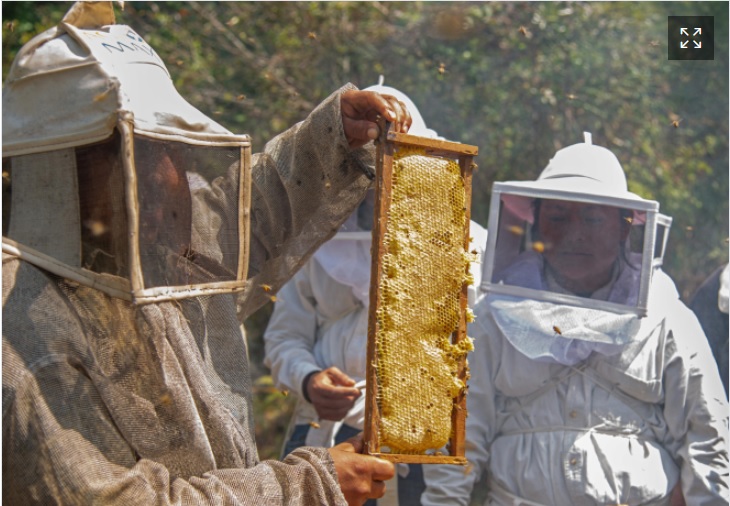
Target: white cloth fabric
724	293
320	320
621	429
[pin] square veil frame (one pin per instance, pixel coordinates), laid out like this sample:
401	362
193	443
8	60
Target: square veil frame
432	154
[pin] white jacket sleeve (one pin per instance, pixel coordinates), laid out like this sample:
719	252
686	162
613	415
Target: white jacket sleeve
696	411
291	333
451	484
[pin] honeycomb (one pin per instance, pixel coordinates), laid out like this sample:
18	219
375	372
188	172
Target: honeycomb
424	266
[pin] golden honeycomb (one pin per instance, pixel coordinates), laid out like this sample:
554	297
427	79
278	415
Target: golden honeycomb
424	266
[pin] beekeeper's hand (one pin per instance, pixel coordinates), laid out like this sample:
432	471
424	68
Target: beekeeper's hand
361	477
360	110
332	393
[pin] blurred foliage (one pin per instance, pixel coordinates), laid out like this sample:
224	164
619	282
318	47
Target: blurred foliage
518	79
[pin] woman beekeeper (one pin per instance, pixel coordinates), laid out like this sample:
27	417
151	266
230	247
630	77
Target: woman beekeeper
589	379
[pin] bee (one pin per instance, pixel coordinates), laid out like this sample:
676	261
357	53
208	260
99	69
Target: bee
327	184
571	96
241	97
557	330
442	68
273	298
10	25
285	393
654	43
266	288
675	123
629	219
312	35
101	96
314	425
516	229
523	31
96	227
538	246
165	399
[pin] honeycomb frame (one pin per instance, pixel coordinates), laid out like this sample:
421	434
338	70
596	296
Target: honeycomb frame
458	157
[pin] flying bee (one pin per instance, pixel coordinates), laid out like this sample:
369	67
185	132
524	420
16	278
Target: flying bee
165	399
538	246
314	425
571	96
629	219
557	330
675	123
266	288
96	227
273	298
517	230
312	35
10	25
523	30
442	68
285	393
241	97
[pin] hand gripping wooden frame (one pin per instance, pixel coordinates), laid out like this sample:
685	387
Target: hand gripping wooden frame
387	145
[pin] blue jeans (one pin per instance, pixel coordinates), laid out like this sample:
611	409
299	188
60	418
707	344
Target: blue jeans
410	488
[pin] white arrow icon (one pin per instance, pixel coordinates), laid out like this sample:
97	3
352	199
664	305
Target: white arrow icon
683	31
698	31
683	45
698	45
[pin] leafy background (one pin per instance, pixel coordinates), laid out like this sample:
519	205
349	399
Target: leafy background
518	79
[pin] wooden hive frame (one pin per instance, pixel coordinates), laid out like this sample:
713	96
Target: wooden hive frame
386	146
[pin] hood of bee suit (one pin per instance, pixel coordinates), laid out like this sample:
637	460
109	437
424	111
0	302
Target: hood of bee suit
69	85
582	169
94	130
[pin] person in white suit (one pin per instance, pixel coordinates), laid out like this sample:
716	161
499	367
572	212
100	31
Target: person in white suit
591	382
316	339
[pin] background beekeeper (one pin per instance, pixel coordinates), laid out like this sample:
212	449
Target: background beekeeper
125	378
590	381
316	339
710	304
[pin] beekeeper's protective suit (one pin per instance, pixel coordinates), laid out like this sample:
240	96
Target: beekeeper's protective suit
591	395
125	378
320	320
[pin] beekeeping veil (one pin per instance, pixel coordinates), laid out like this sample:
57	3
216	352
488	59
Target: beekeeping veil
551	239
114	173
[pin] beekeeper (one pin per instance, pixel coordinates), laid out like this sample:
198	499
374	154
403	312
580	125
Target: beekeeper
137	225
316	339
590	381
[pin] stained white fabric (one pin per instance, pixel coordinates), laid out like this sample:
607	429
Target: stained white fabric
620	429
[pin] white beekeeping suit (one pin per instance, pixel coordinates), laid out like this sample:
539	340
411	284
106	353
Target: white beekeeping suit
591	382
320	320
138	228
